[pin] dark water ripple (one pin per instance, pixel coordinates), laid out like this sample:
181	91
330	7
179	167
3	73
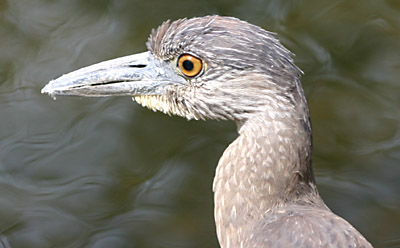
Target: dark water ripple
106	173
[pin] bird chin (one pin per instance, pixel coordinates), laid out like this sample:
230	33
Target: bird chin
154	102
167	105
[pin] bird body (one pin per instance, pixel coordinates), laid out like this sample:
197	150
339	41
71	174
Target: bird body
226	69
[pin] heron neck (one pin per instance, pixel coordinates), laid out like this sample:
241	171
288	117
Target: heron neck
267	166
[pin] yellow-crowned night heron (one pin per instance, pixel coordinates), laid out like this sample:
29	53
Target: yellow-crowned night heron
225	69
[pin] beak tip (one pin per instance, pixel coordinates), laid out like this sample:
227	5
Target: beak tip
49	89
46	89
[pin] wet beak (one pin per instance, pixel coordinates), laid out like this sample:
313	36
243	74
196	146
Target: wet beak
134	75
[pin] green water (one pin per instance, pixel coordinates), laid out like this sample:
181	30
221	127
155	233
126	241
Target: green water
81	172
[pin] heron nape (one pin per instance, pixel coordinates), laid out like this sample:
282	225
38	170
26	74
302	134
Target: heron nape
222	68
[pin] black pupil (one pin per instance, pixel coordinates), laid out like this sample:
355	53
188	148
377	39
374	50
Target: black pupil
188	65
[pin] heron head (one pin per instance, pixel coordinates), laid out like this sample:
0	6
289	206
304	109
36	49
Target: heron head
201	68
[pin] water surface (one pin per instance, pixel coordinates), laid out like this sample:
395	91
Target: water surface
80	172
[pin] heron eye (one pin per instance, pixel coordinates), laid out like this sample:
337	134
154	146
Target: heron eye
190	65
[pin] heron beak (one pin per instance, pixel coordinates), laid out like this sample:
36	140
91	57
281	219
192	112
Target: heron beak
134	75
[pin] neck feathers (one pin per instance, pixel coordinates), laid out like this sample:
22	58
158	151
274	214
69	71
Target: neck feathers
267	166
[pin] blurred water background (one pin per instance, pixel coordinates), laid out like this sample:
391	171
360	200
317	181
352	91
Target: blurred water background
81	172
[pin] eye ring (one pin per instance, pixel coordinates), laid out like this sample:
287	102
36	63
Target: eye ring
190	65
